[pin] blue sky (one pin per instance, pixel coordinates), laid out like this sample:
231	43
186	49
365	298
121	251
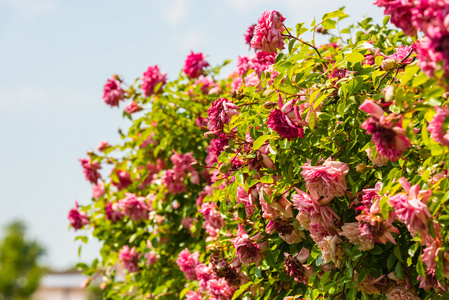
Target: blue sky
56	55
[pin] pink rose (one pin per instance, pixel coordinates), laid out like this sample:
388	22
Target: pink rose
220	113
112	92
129	258
78	218
90	169
113	212
134	207
150	79
133	107
194	65
268	32
187	262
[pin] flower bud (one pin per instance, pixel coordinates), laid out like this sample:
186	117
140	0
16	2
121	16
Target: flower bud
228	149
210	135
360	168
389	64
224	168
196	165
269	105
321	30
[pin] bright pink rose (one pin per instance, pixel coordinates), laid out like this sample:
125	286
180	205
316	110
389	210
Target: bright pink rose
187	262
388	136
103	145
246	249
411	208
215	149
90	170
129	258
194	65
283	126
98	190
244	64
150	79
113	212
204	274
401	14
401	52
437	132
124	180
112	92
133	107
77	218
249	34
134	207
327	181
268	32
220	113
220	289
263	61
174	181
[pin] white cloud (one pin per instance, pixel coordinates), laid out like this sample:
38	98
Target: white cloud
176	11
31	9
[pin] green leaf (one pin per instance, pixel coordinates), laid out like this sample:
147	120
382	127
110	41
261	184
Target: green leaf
241	289
239	178
328	24
260	141
355	57
420	267
335	14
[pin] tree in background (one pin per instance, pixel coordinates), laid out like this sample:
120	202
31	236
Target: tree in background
20	272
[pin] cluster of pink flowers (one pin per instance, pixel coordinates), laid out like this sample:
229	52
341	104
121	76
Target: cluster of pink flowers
103	145
90	169
78	218
388	135
173	179
133	107
112	92
268	32
215	149
220	113
327	181
136	208
150	79
195	64
431	17
129	258
249	34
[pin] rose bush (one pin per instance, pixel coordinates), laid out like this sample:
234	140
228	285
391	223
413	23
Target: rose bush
316	172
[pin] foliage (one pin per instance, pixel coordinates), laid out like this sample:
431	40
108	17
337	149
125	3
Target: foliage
20	272
313	172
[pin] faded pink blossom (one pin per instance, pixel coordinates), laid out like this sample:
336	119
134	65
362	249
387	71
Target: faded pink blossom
352	232
295	267
215	149
112	92
268	32
113	212
78	218
151	257
248	199
220	113
129	258
402	293
182	165
220	289
373	226
133	107
331	251
246	249
150	79
191	295
311	211
379	160
194	65
286	229
98	190
327	181
103	145
437	132
263	61
174	181
206	84
244	64
134	207
281	207
411	208
187	262
430	254
388	136
283	126
90	169
124	180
